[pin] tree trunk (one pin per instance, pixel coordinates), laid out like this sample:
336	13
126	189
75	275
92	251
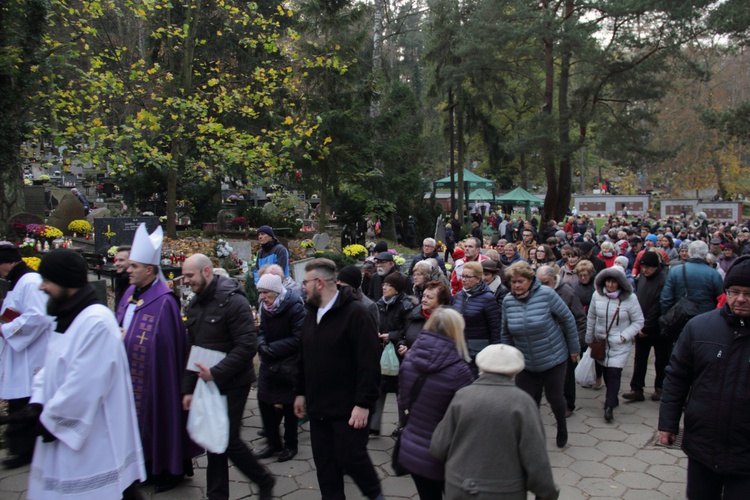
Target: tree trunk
461	154
377	57
11	192
564	173
548	154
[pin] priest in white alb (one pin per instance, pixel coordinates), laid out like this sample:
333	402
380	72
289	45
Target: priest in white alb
82	400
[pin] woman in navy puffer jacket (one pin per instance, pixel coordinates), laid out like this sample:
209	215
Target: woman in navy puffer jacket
440	355
477	304
538	323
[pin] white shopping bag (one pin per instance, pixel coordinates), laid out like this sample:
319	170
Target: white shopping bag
208	420
586	370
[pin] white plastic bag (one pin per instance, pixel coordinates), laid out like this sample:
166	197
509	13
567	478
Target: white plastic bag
389	361
586	370
208	420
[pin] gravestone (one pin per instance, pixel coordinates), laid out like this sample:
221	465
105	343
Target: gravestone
35	200
321	241
243	249
67	211
23	218
97	213
440	229
116	231
225	217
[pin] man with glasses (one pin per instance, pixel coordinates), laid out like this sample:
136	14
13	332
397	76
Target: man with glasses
473	253
338	381
384	266
710	365
429	251
527	244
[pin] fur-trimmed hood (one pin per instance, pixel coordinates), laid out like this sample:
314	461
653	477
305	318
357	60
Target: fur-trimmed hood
618	274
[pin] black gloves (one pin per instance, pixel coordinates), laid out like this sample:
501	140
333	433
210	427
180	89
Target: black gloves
28	414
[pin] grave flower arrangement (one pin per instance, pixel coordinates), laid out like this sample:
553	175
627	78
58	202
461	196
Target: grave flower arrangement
356	251
32	262
79	226
307	243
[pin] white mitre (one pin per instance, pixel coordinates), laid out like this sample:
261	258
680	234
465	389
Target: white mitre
146	248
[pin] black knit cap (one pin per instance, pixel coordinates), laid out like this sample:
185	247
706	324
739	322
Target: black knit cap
739	273
650	259
9	253
397	281
351	275
65	267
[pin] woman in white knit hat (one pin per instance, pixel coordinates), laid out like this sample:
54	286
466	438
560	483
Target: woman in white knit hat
282	313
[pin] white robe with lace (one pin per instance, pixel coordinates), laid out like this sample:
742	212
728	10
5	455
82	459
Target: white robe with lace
88	404
24	343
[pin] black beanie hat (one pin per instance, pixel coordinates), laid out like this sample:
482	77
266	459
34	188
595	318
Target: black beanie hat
397	281
9	254
739	273
65	267
351	275
650	259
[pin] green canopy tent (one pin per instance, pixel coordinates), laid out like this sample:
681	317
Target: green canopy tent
520	196
471	182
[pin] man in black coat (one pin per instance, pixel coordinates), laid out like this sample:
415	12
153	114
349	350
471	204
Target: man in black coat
338	381
648	290
710	365
429	251
219	318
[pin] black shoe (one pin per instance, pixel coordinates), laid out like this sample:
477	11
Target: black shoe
287	454
166	482
262	433
265	492
16	461
608	414
268	451
562	438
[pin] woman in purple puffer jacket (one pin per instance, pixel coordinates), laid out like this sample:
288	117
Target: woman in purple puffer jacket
441	355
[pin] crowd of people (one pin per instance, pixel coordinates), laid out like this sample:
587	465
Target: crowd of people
479	334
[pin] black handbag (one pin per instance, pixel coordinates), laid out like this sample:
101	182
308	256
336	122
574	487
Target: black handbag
413	394
674	320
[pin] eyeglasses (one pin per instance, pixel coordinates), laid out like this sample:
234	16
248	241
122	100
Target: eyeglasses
468	277
733	294
305	282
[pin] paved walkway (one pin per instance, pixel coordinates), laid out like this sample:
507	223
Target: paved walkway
616	460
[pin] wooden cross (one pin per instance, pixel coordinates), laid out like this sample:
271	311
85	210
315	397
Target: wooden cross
142	337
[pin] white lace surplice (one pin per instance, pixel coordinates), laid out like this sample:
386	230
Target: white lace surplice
88	405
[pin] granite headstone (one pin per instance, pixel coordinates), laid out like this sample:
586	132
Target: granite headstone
321	241
116	231
67	211
35	200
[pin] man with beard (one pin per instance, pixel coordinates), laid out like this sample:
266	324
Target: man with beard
338	381
156	345
219	318
122	280
82	400
384	265
23	344
271	252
